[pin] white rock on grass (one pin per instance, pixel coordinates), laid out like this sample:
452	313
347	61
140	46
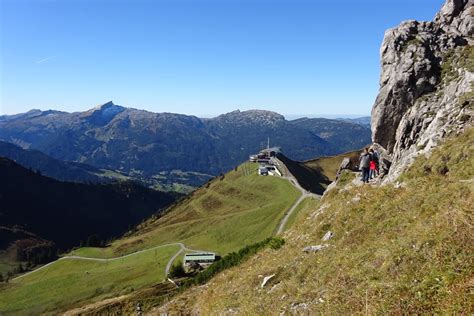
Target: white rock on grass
266	279
316	248
319	211
328	235
274	288
295	307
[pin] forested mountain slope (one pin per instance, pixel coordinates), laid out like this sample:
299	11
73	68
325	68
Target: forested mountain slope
54	168
37	211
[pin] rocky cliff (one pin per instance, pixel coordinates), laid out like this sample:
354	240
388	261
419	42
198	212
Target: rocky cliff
426	84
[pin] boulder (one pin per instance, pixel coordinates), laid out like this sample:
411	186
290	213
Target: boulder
345	164
349	163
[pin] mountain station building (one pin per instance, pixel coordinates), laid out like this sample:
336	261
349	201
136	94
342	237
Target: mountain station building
201	258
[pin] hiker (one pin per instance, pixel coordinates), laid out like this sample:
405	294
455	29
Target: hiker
364	164
376	158
372	164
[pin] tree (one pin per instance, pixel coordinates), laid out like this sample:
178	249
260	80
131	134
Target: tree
93	241
177	270
20	269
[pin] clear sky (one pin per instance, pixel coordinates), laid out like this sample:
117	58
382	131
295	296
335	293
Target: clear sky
197	57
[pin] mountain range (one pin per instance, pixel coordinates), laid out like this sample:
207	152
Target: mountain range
174	151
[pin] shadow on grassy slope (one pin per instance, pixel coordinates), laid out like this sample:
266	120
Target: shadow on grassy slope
316	174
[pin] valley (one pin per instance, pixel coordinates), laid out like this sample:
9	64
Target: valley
42	217
236	209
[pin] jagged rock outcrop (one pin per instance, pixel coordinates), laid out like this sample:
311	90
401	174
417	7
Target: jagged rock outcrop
349	163
426	85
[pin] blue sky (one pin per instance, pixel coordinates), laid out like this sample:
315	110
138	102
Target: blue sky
197	57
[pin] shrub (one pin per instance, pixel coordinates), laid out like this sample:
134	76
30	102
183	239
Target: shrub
426	169
177	270
93	241
233	259
276	243
441	165
414	41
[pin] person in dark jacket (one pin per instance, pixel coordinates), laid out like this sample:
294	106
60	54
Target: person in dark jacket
376	158
364	164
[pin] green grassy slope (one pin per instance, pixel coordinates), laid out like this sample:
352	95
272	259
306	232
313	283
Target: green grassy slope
300	211
228	213
222	216
404	249
68	282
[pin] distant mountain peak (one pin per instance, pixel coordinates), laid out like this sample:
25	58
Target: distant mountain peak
108	107
104	105
33	111
103	113
252	116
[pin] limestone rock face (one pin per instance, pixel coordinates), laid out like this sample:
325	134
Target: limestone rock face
426	84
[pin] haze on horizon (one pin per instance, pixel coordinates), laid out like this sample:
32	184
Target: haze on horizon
204	57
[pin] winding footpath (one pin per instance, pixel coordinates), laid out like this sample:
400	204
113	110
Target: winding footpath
286	174
168	265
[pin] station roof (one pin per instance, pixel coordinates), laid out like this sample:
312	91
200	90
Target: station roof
200	256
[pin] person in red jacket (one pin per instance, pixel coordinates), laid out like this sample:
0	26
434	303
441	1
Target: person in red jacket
372	164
